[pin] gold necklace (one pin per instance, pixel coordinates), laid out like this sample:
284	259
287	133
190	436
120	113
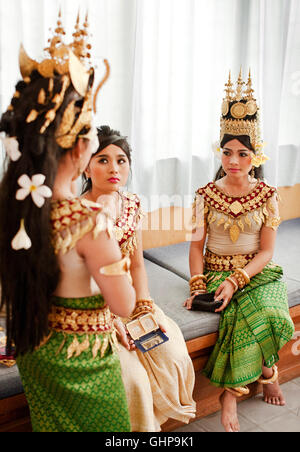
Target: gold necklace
240	195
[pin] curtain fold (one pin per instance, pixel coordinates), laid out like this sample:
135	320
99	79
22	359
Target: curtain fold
169	62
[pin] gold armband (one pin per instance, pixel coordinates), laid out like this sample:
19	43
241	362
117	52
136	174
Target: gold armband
121	267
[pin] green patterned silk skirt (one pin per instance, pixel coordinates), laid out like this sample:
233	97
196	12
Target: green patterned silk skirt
73	381
253	328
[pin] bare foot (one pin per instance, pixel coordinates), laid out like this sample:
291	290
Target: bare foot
229	412
273	394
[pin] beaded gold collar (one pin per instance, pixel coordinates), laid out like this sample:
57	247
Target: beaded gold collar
235	206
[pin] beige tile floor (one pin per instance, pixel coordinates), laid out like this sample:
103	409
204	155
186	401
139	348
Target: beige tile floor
257	416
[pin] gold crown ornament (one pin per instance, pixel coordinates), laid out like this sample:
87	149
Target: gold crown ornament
73	63
240	116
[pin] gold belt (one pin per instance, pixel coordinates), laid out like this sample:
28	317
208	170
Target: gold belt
80	320
215	262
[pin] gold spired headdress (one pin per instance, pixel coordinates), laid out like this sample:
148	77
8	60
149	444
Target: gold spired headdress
74	64
240	115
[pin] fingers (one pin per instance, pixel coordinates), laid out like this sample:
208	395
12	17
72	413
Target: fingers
188	302
219	290
124	339
161	326
224	306
132	345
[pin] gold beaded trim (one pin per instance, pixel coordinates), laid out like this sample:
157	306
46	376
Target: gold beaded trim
215	262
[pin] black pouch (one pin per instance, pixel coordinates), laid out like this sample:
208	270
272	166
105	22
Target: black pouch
206	302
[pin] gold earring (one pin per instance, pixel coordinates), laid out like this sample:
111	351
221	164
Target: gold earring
252	174
223	174
79	170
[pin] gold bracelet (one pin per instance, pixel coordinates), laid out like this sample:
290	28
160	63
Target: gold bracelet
195	285
245	274
197	291
240	279
134	316
198	288
145	302
235	285
196	278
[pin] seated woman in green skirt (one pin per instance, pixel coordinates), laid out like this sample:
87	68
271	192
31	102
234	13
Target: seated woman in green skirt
62	274
238	215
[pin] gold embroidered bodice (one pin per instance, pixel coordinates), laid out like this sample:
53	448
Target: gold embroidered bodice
234	223
128	222
71	219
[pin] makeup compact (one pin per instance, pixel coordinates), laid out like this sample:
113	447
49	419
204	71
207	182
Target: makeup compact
146	333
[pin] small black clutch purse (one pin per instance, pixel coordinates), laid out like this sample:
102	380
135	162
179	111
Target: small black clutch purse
206	302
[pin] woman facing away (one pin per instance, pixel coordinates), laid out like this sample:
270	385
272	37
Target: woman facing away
238	215
159	384
61	325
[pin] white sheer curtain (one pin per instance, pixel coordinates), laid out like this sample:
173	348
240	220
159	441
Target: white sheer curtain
169	62
184	50
112	25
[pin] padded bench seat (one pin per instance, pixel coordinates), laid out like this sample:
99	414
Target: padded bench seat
10	382
169	291
168	273
175	258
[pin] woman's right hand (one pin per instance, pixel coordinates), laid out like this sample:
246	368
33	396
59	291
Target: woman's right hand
188	302
123	335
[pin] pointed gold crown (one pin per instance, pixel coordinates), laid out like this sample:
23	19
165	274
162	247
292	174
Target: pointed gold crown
73	63
240	111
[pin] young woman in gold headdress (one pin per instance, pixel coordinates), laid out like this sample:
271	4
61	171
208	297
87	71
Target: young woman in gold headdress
159	384
238	215
52	246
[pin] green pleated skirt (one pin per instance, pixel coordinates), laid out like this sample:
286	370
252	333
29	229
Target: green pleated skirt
253	328
81	393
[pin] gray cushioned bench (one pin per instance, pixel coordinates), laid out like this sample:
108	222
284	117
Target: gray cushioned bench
175	259
168	273
10	383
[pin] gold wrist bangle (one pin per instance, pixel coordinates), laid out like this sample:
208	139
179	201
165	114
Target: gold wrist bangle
196	278
134	316
244	274
240	279
235	285
197	291
200	287
146	300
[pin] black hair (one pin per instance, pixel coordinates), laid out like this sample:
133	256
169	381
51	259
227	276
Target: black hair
106	137
28	278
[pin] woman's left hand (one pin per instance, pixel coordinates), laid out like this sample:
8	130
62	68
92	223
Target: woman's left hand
224	292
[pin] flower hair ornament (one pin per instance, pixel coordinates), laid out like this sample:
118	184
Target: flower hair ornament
34	187
240	116
38	192
11	147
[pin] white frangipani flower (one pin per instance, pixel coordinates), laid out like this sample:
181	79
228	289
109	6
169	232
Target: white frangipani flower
217	149
11	147
21	239
34	187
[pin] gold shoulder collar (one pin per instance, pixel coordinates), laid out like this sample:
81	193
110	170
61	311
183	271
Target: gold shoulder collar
127	223
236	206
71	219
